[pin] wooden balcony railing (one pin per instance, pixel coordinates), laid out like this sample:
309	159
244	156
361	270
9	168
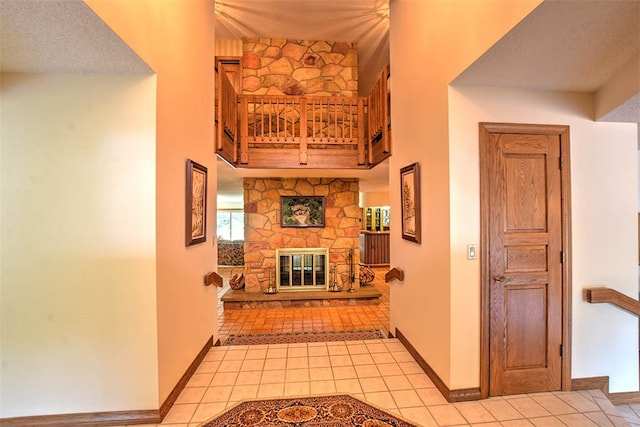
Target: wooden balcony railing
611	296
264	131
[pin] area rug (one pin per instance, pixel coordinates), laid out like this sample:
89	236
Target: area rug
299	337
316	411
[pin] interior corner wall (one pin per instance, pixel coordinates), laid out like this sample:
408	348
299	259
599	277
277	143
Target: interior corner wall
176	39
77	244
422	65
620	88
604	191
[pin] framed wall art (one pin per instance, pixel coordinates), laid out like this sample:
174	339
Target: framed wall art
410	201
196	204
302	211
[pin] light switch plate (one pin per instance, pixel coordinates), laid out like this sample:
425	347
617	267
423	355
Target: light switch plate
472	252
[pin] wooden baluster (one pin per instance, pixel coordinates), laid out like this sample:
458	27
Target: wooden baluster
285	119
278	120
244	139
314	118
320	127
261	117
361	135
268	116
335	118
349	118
303	130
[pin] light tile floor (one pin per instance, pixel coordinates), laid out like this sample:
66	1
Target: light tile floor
380	371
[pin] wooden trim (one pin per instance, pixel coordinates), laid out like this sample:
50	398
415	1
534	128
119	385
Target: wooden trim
485	270
213	278
591	383
567	311
151	416
459	395
173	396
627	398
393	274
602	383
485	129
88	419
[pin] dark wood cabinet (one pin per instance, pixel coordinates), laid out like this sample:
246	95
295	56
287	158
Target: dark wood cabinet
374	248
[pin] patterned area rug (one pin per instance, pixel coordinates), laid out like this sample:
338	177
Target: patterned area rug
297	337
317	411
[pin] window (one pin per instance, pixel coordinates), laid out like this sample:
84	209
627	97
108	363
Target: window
230	224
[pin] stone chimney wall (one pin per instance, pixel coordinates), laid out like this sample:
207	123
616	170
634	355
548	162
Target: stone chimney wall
299	67
263	233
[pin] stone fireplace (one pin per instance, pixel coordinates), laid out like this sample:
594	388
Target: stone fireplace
264	235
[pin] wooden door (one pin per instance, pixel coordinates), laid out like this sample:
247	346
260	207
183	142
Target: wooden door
524	259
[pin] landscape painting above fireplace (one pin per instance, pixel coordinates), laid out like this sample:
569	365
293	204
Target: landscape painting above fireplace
302	211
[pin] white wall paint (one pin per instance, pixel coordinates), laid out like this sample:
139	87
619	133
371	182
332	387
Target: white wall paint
78	309
604	224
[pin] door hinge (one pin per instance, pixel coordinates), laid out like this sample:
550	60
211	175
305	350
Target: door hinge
561	161
561	350
562	257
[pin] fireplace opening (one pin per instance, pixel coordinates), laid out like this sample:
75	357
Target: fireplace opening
300	269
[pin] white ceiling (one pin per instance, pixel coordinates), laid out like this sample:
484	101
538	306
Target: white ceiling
566	45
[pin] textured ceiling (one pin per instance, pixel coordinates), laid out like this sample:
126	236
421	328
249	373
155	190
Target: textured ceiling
563	45
60	36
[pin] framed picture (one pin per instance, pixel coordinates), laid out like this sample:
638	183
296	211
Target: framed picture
410	199
302	211
196	204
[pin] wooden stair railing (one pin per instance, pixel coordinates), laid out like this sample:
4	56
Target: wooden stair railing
227	119
611	296
379	119
286	131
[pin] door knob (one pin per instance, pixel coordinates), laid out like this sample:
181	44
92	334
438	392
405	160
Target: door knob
499	279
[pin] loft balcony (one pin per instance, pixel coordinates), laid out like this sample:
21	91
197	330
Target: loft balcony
303	132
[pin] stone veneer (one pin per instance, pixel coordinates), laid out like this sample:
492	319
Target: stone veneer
263	233
299	67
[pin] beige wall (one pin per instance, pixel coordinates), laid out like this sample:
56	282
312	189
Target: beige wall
423	63
78	261
374	198
176	39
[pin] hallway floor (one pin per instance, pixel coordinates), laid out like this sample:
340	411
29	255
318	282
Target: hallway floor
380	371
316	319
